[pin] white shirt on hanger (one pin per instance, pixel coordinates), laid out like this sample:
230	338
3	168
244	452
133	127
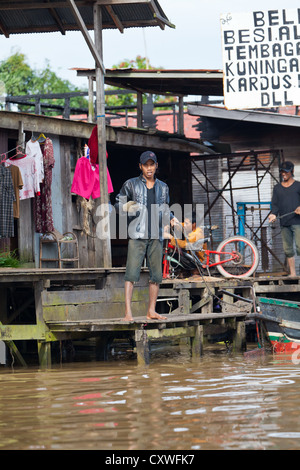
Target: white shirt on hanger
33	149
27	166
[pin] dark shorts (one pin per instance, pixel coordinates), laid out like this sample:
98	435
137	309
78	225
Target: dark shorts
137	250
290	235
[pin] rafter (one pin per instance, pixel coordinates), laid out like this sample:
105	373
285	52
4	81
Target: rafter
56	18
86	35
4	30
115	18
27	5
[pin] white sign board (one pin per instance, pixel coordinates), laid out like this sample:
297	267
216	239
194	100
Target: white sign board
261	58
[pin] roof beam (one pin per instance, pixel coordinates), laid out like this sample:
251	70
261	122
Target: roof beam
156	14
120	2
86	35
4	31
115	18
161	22
26	5
56	18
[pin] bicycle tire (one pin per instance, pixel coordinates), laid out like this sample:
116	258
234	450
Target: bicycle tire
245	264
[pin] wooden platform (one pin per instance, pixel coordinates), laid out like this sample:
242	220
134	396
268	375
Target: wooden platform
143	331
50	305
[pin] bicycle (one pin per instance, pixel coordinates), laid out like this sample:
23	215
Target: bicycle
236	256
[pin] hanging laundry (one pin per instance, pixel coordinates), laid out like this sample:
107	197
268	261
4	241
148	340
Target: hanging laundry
42	206
33	149
17	184
27	166
7	197
86	181
93	146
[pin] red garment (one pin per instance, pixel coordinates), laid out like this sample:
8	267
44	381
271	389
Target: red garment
93	146
86	179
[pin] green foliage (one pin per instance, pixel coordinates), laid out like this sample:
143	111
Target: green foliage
20	79
9	260
16	75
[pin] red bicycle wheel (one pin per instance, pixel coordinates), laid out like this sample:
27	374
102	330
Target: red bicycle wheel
238	257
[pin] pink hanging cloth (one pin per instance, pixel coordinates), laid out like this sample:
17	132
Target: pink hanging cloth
86	181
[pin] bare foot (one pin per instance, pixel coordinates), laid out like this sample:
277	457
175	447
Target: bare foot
155	316
128	317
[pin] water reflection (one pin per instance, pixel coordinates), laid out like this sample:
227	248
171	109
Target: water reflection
221	402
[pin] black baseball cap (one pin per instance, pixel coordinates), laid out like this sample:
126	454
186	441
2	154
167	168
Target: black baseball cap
148	155
287	166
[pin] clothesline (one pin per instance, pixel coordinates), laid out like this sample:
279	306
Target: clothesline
26	178
22	145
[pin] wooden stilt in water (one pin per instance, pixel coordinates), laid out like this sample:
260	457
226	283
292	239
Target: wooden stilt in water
197	342
142	347
239	337
102	346
15	352
44	352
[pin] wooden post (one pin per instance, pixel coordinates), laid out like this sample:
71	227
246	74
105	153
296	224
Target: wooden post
100	118
44	352
208	306
239	337
139	109
184	301
91	99
102	346
21	134
180	116
14	351
142	347
197	342
44	347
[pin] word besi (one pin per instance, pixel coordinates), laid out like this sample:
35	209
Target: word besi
264	23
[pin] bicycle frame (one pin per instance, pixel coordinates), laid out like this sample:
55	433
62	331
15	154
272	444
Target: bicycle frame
208	264
234	256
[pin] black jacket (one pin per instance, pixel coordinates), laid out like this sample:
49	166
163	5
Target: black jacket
135	189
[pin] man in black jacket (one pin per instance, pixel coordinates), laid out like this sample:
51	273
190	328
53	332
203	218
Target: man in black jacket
146	201
286	205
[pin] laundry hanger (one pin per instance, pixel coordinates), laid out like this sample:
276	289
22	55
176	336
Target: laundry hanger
39	137
19	153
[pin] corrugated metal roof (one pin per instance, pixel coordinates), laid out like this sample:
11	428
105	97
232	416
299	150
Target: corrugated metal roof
244	116
160	81
28	16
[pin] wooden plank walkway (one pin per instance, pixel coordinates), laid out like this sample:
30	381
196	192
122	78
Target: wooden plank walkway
50	305
139	322
143	331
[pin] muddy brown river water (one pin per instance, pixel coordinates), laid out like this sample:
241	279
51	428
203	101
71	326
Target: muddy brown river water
221	402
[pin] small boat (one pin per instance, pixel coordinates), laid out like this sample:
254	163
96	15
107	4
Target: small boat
281	319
